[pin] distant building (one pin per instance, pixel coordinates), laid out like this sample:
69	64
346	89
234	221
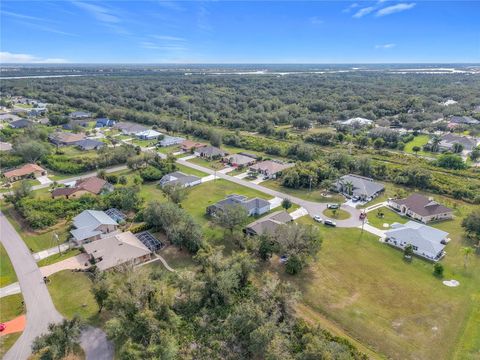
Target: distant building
90	225
72	124
5	146
238	160
268	224
92	185
104	122
129	128
358	121
27	170
427	242
20	124
170	141
189	145
80	115
178	178
456	121
421	208
210	152
89	144
270	168
9	117
449	102
449	140
359	187
118	249
148	134
255	206
60	138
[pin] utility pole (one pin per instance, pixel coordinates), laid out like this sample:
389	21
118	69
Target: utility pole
55	238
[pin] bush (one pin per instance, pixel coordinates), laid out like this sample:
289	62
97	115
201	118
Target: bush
438	270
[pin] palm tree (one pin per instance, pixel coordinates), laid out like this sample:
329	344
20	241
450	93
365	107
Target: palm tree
435	143
348	187
467	251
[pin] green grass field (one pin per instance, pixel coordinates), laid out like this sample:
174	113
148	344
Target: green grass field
7	341
314	195
420	141
10	307
214	164
399	309
389	217
338	214
7	273
190	171
71	294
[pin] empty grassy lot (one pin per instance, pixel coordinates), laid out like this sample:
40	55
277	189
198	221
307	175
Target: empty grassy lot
420	141
389	217
314	195
399	309
213	164
7	273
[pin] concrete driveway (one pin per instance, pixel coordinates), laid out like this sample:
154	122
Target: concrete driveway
75	262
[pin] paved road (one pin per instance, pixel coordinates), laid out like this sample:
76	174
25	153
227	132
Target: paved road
313	208
39	305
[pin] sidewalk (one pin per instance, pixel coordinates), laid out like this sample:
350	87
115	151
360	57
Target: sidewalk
49	252
11	289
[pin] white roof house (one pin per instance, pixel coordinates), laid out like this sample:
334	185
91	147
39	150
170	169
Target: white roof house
427	241
357	121
91	224
148	134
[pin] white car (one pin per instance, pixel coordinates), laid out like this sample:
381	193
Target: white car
317	218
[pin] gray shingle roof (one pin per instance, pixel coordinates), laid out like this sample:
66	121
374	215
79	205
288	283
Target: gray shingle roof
87	222
422	205
178	178
362	186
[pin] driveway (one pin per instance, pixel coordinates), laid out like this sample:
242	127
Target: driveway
75	262
44	180
313	208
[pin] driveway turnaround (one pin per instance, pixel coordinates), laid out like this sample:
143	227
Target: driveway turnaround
39	305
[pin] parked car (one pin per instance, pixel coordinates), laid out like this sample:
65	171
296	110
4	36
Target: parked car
283	259
317	218
2	326
333	206
330	223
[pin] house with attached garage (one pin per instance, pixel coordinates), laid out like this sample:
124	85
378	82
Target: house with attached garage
80	115
104	122
92	186
268	224
91	225
178	178
449	140
21	124
421	208
117	249
170	141
129	128
25	171
238	160
255	206
427	242
61	138
189	145
210	152
148	134
359	187
270	168
89	144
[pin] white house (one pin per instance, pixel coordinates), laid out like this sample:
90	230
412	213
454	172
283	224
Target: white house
148	134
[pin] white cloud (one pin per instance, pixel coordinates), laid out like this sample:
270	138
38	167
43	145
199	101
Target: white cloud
7	57
99	12
21	16
315	20
350	7
362	12
168	38
385	46
394	9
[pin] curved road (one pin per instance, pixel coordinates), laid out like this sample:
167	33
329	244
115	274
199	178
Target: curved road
40	309
313	208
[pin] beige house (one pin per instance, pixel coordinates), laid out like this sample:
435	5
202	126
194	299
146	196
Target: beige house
27	170
92	185
421	208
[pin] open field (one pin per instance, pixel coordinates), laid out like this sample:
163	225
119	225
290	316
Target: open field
7	273
314	195
389	217
420	141
399	309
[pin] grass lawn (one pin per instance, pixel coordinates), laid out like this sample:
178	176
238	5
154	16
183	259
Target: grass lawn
7	273
168	149
7	341
71	295
337	214
314	195
36	240
420	141
399	309
214	164
58	257
190	171
389	217
177	259
10	307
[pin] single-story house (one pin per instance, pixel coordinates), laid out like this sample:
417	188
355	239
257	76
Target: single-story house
38	111
180	179
9	117
60	138
129	128
90	225
268	224
26	170
43	121
5	146
210	152
118	249
427	241
456	121
448	140
89	144
189	145
92	185
148	134
20	124
80	115
104	122
421	208
359	187
255	206
358	121
72	124
170	141
270	168
238	160
253	156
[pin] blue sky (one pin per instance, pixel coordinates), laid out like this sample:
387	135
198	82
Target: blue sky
239	32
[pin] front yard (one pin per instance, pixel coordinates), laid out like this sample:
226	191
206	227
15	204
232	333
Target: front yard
305	194
7	273
389	217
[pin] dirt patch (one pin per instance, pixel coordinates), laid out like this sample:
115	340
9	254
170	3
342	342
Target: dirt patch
14	325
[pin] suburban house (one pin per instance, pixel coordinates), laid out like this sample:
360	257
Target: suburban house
180	179
358	187
210	152
27	170
5	146
80	115
239	160
426	241
129	128
92	185
90	225
189	145
255	206
60	138
89	144
358	122
104	122
270	168
37	111
148	134
170	141
456	121
449	140
119	249
21	124
268	224
72	124
9	117
421	208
